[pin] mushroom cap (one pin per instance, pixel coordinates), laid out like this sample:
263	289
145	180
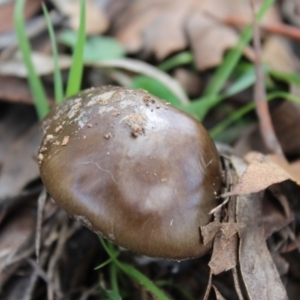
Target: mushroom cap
133	169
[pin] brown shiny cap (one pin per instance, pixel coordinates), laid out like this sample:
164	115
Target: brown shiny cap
132	168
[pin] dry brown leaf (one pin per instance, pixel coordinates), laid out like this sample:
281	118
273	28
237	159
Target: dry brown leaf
15	90
96	22
14	237
262	172
208	52
281	264
278	55
274	216
164	26
259	273
295	167
7	9
19	164
209	231
224	256
16	120
293	172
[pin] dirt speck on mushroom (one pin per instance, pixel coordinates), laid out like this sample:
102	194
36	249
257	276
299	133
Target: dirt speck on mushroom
136	122
40	158
108	135
83	220
58	129
116	112
49	138
65	140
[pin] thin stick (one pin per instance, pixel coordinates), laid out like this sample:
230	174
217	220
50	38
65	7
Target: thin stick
237	284
260	98
285	30
208	288
41	204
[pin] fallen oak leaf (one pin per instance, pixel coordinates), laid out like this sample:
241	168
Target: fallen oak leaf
15	236
209	231
225	250
230	229
292	170
278	55
19	165
258	270
276	211
225	245
295	167
262	172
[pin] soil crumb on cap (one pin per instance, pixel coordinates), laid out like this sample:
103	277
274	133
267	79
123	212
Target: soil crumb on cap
136	122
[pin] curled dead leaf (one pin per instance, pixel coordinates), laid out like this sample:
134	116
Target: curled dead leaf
262	172
225	251
278	54
258	270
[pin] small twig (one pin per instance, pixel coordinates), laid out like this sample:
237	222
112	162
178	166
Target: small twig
237	284
208	288
229	182
45	277
285	30
41	203
219	206
262	109
63	235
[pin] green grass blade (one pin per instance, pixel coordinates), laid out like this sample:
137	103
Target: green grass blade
179	59
58	84
76	70
133	272
200	107
287	77
218	129
284	95
111	295
35	82
238	114
142	279
156	88
113	274
243	82
108	261
229	63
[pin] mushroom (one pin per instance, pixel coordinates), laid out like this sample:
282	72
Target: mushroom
133	169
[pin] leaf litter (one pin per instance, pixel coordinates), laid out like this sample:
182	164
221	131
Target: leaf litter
163	27
243	224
